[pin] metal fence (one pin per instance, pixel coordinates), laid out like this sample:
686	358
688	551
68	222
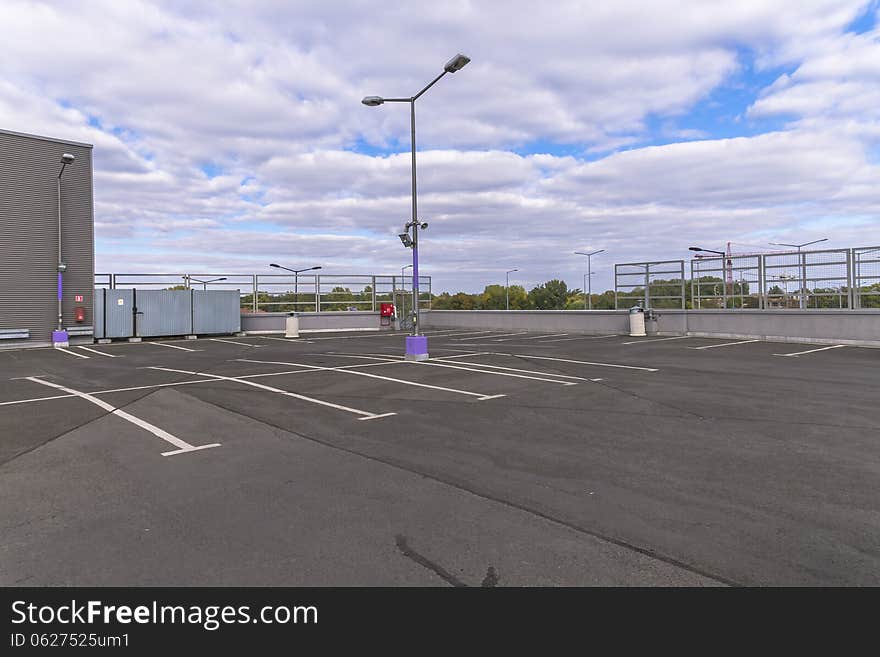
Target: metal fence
866	277
733	282
820	279
287	292
658	284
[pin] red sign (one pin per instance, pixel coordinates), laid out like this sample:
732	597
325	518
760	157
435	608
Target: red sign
78	298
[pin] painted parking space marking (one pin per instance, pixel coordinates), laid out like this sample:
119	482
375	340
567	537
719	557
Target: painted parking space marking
433	363
181	445
584	362
812	351
243	344
288	340
72	353
586	337
724	344
490	337
677	337
348	370
100	353
365	415
538	337
514	369
455	335
173	346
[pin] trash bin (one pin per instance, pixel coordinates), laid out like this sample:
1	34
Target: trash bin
291	326
636	322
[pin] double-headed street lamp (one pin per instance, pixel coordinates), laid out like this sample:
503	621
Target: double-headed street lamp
59	336
507	288
416	344
296	273
803	266
190	279
724	265
588	288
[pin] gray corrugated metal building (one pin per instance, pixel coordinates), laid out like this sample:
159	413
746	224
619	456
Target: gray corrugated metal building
29	167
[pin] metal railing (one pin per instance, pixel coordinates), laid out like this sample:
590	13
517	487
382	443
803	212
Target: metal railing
659	284
287	292
820	279
728	282
866	277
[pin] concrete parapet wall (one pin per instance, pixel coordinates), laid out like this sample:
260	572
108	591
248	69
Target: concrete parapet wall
266	323
858	327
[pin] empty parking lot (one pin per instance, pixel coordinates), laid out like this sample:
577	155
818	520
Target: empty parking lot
509	458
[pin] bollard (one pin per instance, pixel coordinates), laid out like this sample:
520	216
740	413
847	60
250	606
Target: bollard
291	326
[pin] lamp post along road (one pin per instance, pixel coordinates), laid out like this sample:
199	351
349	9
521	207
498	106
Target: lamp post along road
296	273
588	287
59	335
724	265
507	288
189	279
416	344
802	261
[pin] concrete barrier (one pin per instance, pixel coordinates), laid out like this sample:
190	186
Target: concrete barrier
857	327
268	323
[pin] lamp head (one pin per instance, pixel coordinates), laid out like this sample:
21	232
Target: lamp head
67	158
405	238
456	63
272	264
694	248
373	101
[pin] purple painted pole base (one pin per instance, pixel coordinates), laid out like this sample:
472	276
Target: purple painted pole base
59	339
416	347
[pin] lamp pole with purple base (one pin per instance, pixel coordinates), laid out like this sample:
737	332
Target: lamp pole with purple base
416	344
59	335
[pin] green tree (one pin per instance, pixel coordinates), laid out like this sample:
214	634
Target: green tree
549	296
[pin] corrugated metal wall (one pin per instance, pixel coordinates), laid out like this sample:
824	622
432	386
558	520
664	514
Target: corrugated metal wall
29	233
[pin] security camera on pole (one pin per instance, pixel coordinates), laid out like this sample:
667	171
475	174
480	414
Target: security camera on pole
416	344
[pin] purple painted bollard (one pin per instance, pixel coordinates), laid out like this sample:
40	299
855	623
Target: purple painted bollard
416	347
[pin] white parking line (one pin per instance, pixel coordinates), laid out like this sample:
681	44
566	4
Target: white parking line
72	353
812	351
514	369
243	344
182	446
173	346
586	337
678	337
101	353
455	335
537	337
492	337
296	340
366	414
345	370
583	362
458	367
724	344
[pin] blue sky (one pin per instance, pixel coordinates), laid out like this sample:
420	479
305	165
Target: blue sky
228	137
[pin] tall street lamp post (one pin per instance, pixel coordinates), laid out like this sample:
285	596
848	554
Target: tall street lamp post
507	288
724	264
296	273
588	296
803	266
59	335
190	279
416	344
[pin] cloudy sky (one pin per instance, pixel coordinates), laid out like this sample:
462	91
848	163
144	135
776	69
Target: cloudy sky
230	134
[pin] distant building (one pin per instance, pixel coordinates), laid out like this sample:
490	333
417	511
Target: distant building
29	168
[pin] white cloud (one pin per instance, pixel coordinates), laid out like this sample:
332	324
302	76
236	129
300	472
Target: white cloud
266	96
